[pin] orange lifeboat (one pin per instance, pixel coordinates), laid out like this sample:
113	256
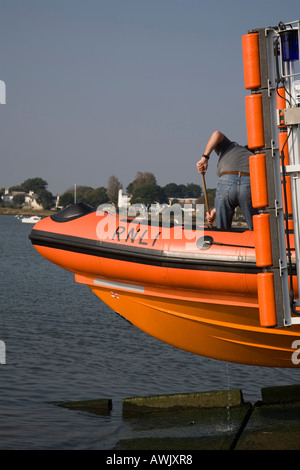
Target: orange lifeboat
194	288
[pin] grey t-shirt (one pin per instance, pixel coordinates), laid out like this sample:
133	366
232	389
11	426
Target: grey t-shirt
232	157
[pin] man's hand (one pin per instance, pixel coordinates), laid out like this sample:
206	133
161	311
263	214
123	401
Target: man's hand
202	165
210	216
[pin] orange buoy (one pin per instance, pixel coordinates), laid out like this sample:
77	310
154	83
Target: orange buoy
250	47
266	299
288	205
262	239
280	98
254	121
288	195
258	179
281	105
283	146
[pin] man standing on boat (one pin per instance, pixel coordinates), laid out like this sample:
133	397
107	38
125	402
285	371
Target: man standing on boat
233	188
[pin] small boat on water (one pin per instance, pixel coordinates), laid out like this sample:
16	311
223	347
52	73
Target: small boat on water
229	295
31	220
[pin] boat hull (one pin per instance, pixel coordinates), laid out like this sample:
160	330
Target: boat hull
200	300
224	332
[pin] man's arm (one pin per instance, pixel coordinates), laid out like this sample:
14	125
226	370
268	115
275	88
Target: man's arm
215	139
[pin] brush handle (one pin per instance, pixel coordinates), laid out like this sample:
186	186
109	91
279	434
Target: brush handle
205	194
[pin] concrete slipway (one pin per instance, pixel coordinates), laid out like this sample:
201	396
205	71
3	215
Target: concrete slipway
217	420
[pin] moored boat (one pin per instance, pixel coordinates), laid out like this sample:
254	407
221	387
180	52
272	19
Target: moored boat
31	220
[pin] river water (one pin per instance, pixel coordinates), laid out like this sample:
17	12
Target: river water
63	344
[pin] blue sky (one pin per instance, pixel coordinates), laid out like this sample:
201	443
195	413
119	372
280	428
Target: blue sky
112	87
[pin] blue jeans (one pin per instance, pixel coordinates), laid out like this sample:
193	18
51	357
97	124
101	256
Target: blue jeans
233	191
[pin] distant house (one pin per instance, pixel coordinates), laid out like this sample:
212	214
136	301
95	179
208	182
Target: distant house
8	197
30	199
123	200
183	201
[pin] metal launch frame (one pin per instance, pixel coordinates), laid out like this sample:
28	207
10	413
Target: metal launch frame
280	78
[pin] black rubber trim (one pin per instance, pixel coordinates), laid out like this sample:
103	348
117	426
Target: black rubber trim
138	255
74	211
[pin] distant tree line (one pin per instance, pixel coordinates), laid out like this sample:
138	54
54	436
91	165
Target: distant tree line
143	189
